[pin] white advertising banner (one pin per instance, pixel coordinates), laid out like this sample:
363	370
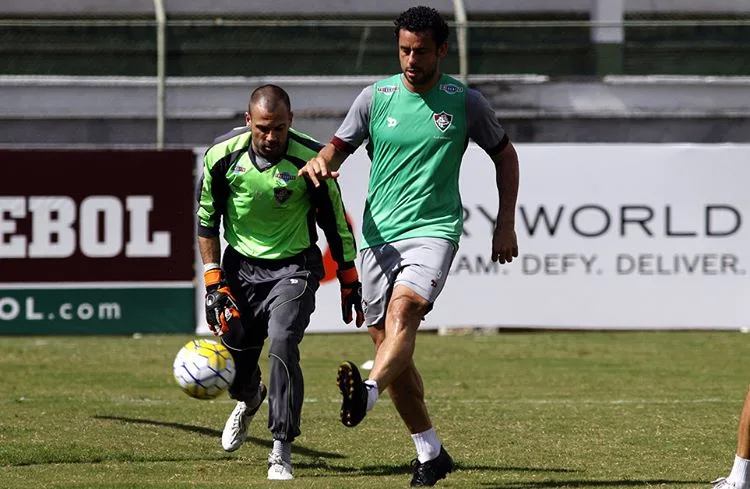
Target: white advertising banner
611	236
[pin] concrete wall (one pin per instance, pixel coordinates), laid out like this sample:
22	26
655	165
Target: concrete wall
89	111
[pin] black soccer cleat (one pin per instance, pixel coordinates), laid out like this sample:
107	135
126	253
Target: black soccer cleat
428	473
353	393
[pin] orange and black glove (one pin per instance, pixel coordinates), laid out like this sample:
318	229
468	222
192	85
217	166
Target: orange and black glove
351	296
220	304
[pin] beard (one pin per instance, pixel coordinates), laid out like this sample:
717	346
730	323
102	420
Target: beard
270	152
419	77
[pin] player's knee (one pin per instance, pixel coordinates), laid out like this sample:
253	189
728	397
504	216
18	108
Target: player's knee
407	308
284	348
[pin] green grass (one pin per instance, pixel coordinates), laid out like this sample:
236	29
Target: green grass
516	410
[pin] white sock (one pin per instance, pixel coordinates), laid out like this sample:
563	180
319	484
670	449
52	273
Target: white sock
372	393
427	444
284	449
740	474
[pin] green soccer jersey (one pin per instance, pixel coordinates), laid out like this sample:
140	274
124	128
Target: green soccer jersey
416	145
416	142
268	211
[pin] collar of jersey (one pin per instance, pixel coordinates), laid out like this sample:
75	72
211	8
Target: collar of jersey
254	158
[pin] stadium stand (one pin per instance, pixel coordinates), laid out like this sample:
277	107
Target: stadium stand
540	61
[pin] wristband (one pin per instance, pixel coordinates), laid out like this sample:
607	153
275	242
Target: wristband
348	276
212	277
210	266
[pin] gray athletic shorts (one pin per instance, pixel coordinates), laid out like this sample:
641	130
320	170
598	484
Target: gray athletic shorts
422	264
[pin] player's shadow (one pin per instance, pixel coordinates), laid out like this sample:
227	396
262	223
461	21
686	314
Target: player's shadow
590	483
202	430
401	469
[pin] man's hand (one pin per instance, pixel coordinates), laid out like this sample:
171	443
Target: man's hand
220	304
504	244
351	296
317	169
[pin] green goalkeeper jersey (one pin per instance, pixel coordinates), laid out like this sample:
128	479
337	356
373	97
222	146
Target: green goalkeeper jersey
416	142
268	211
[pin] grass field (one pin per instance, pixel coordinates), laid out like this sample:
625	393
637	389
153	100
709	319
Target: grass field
516	410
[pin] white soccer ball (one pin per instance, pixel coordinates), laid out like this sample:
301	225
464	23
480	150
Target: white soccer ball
204	369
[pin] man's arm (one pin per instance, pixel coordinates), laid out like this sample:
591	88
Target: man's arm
324	165
504	241
210	249
486	131
350	135
331	217
208	215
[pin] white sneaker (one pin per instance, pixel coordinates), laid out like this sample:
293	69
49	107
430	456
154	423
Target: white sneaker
235	429
279	469
723	483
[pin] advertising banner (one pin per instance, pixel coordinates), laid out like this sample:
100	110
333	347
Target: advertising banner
611	236
96	242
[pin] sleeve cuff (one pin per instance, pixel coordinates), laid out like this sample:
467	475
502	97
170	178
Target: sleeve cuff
343	146
347	276
499	146
208	232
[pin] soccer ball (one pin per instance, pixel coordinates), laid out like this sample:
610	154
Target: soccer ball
204	369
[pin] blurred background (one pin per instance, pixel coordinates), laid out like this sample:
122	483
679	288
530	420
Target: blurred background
176	73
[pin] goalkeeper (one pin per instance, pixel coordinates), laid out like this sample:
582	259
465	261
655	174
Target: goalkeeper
266	283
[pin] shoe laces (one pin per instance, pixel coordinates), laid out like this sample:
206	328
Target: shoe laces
238	420
418	468
278	459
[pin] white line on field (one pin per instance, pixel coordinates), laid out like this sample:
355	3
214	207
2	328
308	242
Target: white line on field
564	402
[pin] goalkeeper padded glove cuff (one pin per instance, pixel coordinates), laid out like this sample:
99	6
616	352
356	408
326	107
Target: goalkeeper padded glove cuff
351	296
221	307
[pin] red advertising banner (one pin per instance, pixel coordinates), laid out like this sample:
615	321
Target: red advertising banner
96	216
97	242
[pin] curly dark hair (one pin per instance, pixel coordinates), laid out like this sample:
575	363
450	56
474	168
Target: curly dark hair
422	19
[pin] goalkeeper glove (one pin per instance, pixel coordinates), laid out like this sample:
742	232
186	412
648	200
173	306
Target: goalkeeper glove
351	296
221	307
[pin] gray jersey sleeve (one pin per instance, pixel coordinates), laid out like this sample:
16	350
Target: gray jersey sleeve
356	126
482	123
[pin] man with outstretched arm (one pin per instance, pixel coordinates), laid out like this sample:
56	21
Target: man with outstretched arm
417	125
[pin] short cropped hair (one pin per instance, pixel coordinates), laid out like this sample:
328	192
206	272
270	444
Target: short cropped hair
422	19
269	95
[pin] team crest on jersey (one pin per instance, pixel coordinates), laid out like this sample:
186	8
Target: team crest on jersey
239	170
284	176
451	89
442	120
282	194
388	89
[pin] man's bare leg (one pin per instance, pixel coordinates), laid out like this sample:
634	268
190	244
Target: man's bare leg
739	477
394	354
407	392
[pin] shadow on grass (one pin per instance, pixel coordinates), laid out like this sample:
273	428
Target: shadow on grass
403	469
591	483
202	430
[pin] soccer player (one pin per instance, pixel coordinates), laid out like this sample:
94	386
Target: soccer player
418	124
271	269
739	477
